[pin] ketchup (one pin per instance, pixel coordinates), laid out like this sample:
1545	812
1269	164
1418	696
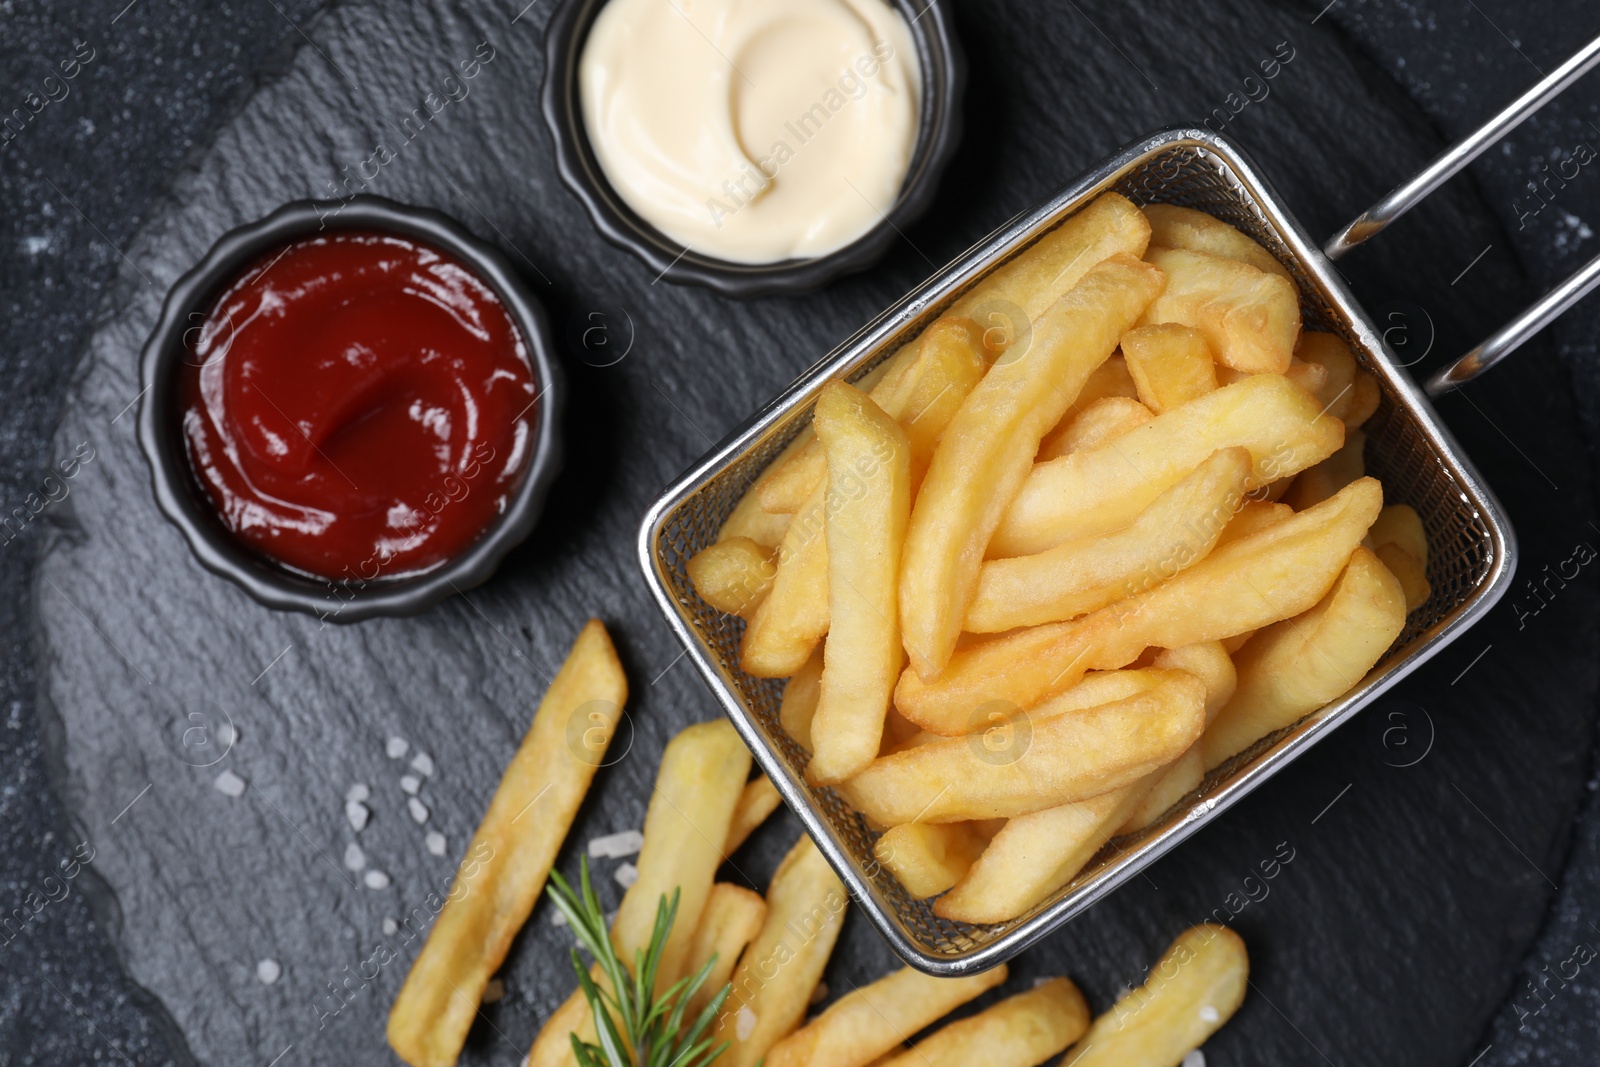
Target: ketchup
357	406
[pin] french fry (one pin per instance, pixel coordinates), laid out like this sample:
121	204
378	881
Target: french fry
865	533
698	786
733	575
732	917
1309	376
1183	227
1105	419
1171	364
799	705
1297	666
1409	572
988	449
1399	524
1328	351
927	858
773	983
1209	662
1365	395
1020	1031
749	518
927	383
1273	574
1178	529
1250	317
1194	989
758	801
1176	782
1110	378
1033	763
546	780
1316	484
1089	493
872	1019
1253	515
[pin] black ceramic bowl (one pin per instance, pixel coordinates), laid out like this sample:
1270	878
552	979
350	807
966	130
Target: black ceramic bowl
184	502
944	78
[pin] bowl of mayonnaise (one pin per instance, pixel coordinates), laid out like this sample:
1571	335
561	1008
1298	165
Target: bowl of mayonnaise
753	146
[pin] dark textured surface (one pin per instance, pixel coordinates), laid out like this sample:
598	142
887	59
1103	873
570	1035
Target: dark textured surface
1390	937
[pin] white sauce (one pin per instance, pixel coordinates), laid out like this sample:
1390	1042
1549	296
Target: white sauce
753	131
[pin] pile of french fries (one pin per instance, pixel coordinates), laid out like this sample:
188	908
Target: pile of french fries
1042	570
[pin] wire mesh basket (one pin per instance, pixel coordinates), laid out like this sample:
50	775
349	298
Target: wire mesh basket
1471	548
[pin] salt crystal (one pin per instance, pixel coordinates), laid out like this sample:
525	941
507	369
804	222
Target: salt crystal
376	880
357	813
493	991
1194	1058
745	1024
390	927
435	842
618	845
1209	1014
558	918
626	875
1042	980
268	971
419	810
410	783
358	792
422	763
227	734
229	784
354	858
397	747
819	994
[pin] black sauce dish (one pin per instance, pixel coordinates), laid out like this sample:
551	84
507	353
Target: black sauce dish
184	502
944	77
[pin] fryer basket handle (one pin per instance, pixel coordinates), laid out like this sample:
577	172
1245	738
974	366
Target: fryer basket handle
1446	165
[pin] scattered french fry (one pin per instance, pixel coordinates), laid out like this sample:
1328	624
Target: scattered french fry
1250	317
733	575
1297	666
1183	227
865	533
1102	421
928	858
1177	530
1194	989
508	858
758	801
1095	492
1020	1031
1316	484
988	449
1171	364
872	1019
732	917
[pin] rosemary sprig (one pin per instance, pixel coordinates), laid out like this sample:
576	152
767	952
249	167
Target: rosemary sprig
635	1027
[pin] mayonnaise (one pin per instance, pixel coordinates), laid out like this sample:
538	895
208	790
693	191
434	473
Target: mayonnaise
753	130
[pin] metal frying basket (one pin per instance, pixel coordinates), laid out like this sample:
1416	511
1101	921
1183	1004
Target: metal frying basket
1471	546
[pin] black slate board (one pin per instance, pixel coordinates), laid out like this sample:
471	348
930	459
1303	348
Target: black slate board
1409	898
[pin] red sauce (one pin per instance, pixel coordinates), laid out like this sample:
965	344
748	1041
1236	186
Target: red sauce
358	406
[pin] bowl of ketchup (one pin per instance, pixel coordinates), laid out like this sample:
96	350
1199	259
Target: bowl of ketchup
350	408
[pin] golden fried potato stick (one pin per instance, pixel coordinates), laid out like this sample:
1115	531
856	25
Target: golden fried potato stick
865	533
1250	317
522	831
1171	364
1273	574
799	704
749	518
1020	1031
1184	227
926	383
773	983
733	575
1400	541
1365	396
1193	989
1106	418
928	858
1032	763
759	800
795	614
702	776
1316	484
872	1019
1328	351
1253	515
1087	493
1110	378
1296	666
988	448
1176	782
1409	571
1209	662
1177	530
732	917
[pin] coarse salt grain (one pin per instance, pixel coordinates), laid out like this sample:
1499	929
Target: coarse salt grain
354	858
410	783
617	846
227	734
268	971
419	810
745	1024
390	927
397	747
357	813
626	874
558	918
229	784
493	991
435	842
1194	1058
1209	1014
358	792
422	763
376	880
